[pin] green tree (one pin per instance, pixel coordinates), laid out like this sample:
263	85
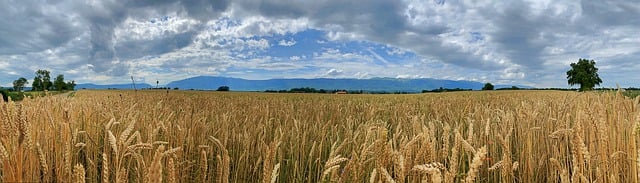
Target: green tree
42	81
18	84
585	74
223	88
71	85
487	86
59	84
37	84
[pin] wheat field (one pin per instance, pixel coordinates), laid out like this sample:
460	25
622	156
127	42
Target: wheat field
193	136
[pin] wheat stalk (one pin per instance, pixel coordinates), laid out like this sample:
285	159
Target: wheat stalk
79	174
23	127
155	170
67	157
4	155
399	167
105	168
387	176
373	177
203	165
112	142
222	170
564	174
171	170
275	173
475	164
127	131
433	169
43	163
453	159
331	165
122	175
267	168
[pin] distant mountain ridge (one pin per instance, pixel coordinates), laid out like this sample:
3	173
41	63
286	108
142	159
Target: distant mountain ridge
372	84
110	86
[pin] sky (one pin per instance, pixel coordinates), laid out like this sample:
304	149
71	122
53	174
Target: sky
513	42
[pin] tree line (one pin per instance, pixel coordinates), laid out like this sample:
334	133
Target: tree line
42	81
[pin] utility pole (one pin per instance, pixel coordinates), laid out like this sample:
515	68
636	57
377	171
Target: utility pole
134	84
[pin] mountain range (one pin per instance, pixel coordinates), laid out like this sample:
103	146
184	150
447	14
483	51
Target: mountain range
372	84
112	86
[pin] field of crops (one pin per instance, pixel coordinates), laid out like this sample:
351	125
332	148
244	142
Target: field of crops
191	136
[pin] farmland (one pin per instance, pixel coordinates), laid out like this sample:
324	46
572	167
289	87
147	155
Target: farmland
193	136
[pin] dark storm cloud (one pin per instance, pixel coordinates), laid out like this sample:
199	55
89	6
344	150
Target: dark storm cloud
379	18
26	28
613	12
140	48
105	17
520	35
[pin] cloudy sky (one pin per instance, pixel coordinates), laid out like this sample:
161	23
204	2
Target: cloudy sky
503	42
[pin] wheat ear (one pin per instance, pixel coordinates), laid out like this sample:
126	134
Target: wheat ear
475	164
105	168
155	171
275	173
43	163
78	171
203	165
171	170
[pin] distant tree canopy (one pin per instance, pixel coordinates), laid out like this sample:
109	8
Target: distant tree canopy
487	86
18	84
58	83
42	81
441	89
509	88
584	73
70	85
223	88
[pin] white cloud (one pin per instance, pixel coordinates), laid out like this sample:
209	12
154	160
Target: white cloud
333	73
505	41
395	51
361	75
287	43
295	58
407	76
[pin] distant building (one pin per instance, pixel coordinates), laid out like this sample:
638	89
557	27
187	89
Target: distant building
341	92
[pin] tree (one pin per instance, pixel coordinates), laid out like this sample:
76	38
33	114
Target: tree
58	83
584	73
18	84
42	81
37	84
223	88
71	85
487	86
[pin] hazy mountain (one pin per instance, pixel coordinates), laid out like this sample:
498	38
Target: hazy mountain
117	86
373	84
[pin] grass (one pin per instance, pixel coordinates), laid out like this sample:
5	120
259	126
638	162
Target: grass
191	136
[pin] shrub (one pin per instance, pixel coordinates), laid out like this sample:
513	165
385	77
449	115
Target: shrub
223	88
4	94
